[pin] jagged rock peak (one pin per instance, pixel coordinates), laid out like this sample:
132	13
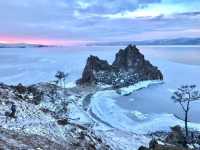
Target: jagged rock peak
96	64
128	58
93	65
128	68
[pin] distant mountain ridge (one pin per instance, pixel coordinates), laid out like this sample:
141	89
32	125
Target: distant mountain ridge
23	45
177	41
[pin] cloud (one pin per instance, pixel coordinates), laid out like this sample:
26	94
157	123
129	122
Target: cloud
158	8
91	20
109	6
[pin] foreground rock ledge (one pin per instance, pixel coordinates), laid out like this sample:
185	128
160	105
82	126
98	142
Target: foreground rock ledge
128	68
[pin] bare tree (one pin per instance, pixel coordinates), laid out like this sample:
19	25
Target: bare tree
184	96
64	78
61	76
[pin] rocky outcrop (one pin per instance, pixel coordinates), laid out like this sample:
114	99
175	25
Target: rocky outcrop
176	136
155	145
93	67
129	67
174	140
28	93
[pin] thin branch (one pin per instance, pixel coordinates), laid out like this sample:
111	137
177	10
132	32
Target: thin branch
183	107
196	99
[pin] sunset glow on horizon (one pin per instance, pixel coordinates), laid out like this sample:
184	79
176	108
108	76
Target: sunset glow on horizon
29	40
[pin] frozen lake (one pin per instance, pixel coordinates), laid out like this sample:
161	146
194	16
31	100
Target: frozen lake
32	65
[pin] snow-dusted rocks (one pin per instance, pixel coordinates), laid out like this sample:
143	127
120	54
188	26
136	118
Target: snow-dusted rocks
45	122
174	140
19	140
128	68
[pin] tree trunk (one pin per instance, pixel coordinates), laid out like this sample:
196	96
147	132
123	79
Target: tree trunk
186	126
186	119
64	83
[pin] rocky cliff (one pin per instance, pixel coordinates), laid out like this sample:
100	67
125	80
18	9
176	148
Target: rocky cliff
128	68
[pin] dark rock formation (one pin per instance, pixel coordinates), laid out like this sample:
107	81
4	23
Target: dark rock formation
63	121
94	65
154	145
129	67
28	93
175	140
143	148
176	136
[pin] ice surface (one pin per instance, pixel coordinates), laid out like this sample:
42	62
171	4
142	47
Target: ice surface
33	65
103	105
124	128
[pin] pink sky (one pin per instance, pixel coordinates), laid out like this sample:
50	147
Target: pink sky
30	40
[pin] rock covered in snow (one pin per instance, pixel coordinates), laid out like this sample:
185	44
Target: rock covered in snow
28	93
128	68
42	125
174	140
10	140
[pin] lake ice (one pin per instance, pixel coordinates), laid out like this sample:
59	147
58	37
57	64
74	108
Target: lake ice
178	64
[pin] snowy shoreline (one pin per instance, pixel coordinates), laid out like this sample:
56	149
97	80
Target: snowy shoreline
104	107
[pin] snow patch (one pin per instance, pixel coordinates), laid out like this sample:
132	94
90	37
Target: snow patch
70	84
143	84
139	115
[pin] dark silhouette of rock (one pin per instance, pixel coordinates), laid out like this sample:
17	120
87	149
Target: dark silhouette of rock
128	68
28	93
152	144
20	88
173	141
176	136
143	148
93	66
128	59
157	146
63	121
131	60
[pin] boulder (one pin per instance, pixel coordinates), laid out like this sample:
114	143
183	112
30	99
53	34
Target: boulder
63	121
128	68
